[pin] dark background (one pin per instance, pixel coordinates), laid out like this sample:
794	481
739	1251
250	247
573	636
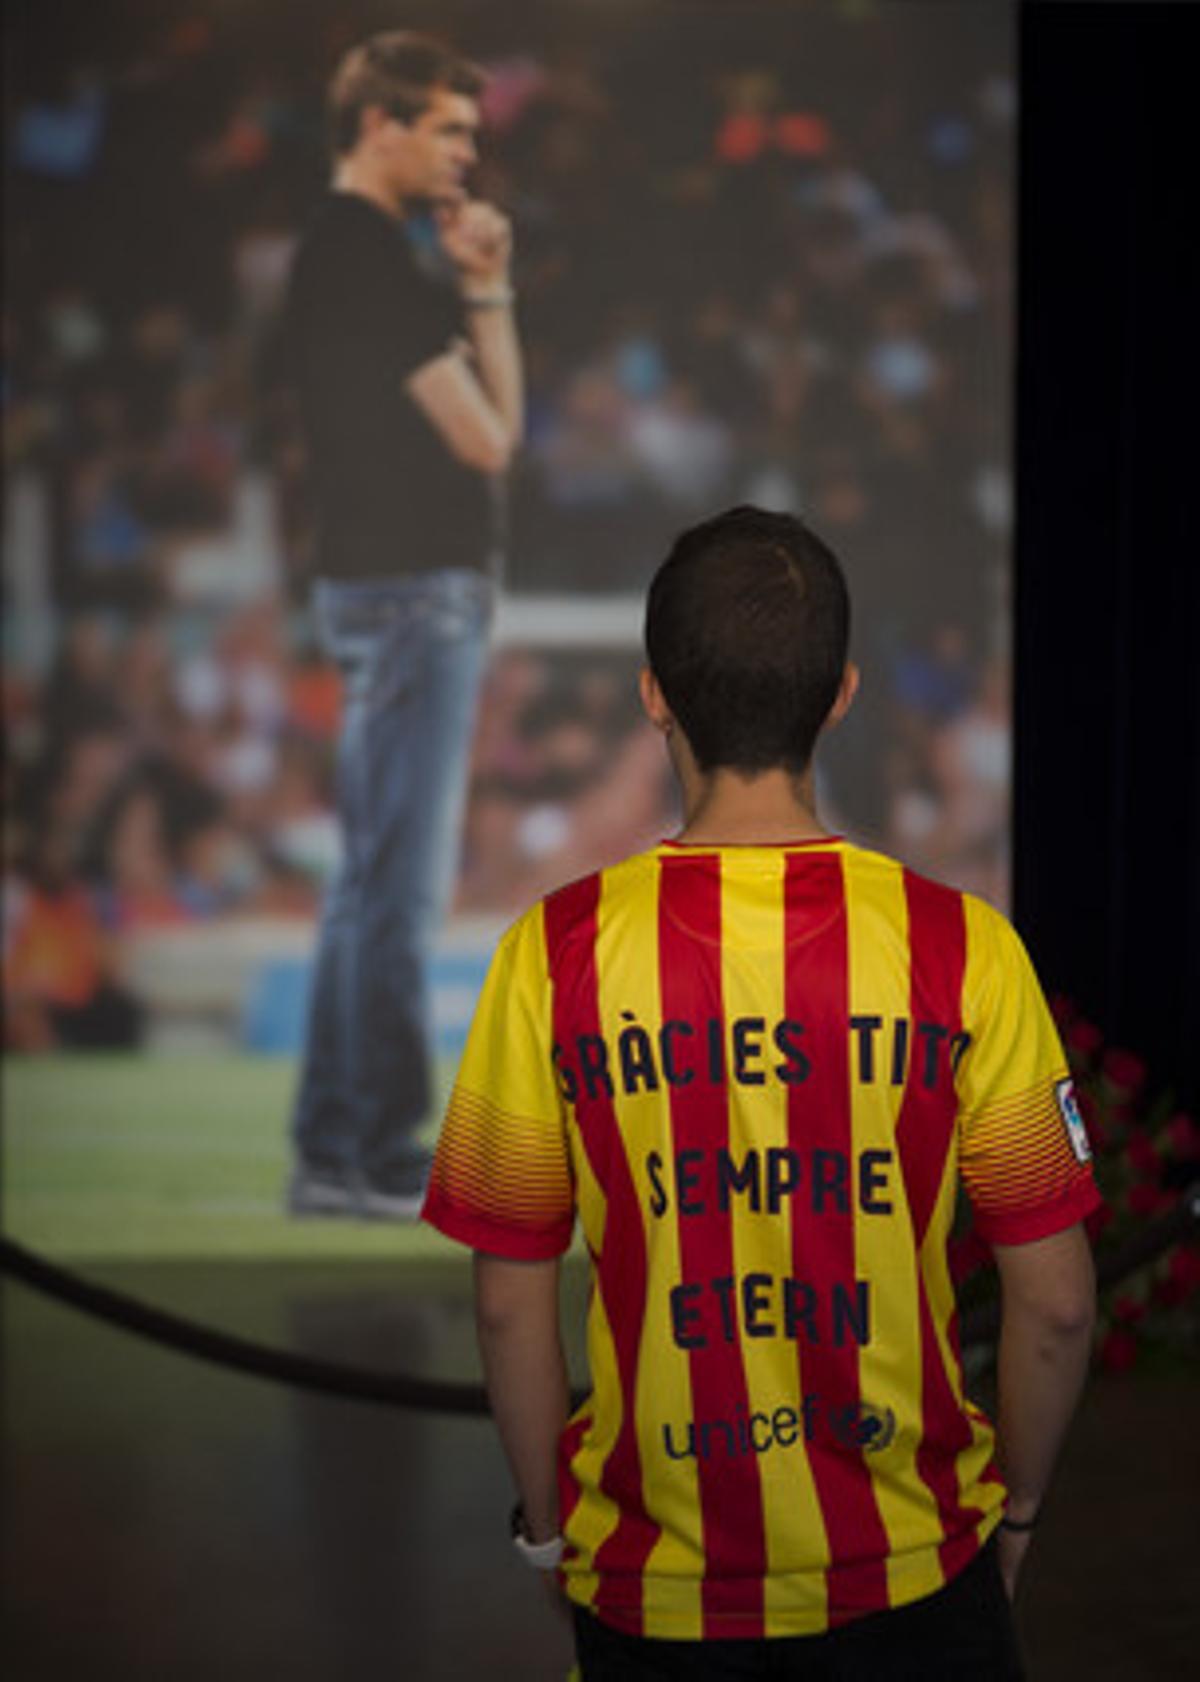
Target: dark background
1107	711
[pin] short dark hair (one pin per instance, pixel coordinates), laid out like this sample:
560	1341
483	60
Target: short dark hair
398	70
747	627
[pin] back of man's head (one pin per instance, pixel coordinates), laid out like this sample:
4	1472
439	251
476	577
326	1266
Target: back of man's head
747	627
397	70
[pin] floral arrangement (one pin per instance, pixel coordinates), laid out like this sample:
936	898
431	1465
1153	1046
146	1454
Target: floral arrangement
1147	1153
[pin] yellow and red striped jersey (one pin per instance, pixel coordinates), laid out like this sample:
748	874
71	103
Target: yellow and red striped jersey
757	1075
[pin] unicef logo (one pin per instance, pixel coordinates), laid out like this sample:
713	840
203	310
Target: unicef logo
876	1428
860	1427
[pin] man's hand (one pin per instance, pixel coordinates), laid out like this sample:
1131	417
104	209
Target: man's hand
477	238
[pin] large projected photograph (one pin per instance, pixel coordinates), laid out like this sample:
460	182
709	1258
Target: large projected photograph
761	253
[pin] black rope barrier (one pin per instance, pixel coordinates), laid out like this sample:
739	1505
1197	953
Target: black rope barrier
329	1378
361	1384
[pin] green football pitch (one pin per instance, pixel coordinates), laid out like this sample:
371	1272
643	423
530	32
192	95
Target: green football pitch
163	1178
114	1157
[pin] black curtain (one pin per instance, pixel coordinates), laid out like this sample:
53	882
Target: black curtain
1107	715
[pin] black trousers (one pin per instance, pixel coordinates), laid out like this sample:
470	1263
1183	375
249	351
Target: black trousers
962	1633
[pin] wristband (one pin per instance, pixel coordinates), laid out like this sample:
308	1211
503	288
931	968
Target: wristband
499	299
1020	1525
543	1556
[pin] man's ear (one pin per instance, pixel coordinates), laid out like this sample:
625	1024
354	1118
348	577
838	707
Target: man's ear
370	120
844	699
655	702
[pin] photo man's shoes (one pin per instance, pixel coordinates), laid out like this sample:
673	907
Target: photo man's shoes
317	1191
391	1203
313	1192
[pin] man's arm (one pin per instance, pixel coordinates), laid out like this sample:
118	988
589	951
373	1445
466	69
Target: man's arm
478	405
1047	1318
516	1316
493	330
460	412
478	240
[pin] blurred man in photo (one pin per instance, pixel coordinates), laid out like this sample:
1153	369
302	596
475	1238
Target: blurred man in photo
409	373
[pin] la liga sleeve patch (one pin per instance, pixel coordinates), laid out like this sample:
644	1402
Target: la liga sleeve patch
1068	1106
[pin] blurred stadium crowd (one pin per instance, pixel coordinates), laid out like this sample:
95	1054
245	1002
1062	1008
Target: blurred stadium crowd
764	255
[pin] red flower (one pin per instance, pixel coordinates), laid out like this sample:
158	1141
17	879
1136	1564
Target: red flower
1125	1071
1128	1311
1083	1037
1119	1350
1169	1294
1147	1199
1184	1136
1184	1267
1178	1276
1062	1009
1143	1156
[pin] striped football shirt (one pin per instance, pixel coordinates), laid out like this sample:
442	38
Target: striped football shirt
757	1076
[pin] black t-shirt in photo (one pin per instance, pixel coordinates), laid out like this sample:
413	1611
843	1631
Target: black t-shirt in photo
390	497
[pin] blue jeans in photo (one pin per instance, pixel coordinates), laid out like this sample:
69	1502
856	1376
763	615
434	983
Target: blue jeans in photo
411	652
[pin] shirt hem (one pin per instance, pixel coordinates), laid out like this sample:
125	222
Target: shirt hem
735	1626
492	1237
1040	1223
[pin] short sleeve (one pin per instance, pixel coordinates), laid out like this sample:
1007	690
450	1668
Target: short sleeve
1023	1148
501	1179
366	316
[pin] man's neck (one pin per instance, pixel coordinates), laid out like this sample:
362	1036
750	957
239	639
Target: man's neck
355	175
725	807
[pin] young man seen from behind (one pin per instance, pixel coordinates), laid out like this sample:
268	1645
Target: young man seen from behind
757	1062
